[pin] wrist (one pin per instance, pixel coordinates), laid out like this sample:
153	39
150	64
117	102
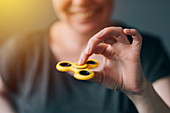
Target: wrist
144	92
140	89
148	101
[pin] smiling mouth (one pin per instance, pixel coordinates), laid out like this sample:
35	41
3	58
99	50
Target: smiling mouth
84	15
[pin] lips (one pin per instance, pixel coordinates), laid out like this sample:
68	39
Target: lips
85	15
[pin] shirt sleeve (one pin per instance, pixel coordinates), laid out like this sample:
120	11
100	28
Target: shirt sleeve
10	64
155	60
18	57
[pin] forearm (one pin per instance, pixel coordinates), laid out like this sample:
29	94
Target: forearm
149	102
5	106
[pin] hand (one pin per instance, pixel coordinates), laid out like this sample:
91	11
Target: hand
122	68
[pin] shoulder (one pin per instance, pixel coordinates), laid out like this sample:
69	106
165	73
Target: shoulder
152	46
23	43
151	41
154	58
19	48
16	51
17	54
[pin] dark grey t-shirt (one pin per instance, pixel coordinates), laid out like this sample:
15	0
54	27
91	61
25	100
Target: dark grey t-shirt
27	67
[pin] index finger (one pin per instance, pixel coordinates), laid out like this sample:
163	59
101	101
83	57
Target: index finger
110	32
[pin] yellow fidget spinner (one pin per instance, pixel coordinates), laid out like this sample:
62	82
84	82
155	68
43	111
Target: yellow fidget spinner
81	72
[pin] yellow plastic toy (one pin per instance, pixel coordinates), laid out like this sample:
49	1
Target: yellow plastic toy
81	72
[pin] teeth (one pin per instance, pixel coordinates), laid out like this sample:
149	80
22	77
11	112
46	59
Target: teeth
84	15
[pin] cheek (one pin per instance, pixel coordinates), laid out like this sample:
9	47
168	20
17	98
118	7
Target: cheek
61	6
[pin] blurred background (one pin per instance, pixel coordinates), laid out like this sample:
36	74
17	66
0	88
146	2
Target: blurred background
21	16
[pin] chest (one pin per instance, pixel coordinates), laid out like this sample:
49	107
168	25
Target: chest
51	91
63	94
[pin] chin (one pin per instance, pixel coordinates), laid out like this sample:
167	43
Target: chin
87	29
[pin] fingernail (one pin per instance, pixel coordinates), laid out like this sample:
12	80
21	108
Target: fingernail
80	61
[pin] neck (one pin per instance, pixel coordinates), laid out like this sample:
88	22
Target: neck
69	38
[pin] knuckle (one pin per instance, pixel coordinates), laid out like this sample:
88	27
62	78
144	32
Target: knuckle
120	28
106	28
135	31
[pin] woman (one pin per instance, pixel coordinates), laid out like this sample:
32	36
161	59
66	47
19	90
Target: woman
84	29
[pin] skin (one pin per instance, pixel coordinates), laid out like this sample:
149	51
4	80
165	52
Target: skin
121	67
5	106
83	26
74	13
